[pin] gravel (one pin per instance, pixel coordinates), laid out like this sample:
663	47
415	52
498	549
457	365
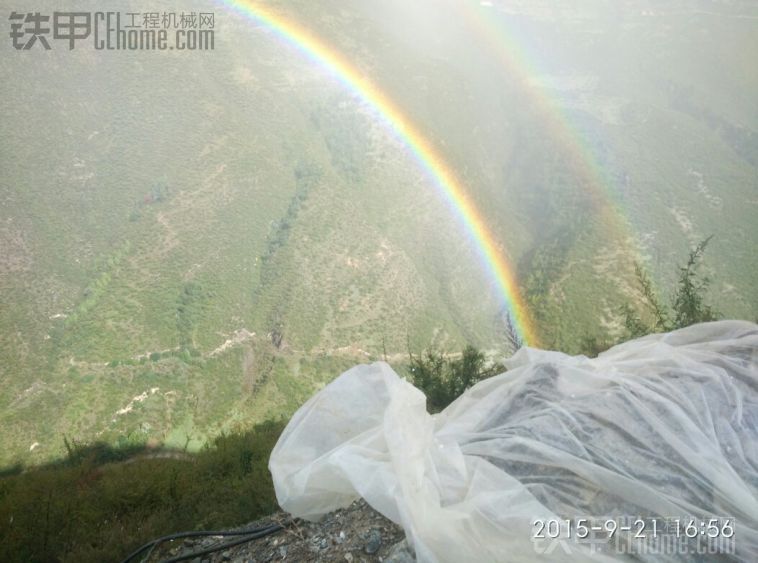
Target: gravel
356	534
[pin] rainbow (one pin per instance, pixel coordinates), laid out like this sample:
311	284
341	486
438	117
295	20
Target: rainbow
423	151
503	42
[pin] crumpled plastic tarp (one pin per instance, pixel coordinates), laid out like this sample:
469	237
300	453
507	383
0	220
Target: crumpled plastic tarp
663	426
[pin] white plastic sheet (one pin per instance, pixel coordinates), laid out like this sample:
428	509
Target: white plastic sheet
662	426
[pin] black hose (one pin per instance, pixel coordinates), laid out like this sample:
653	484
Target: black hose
221	547
252	533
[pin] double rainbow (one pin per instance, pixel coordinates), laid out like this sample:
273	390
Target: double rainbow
502	41
423	151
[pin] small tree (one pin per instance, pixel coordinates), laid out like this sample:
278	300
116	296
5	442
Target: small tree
512	336
654	306
688	305
443	379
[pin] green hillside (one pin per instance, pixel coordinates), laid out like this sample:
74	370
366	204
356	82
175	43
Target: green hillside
193	241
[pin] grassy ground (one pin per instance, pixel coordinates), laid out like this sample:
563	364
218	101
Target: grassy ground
100	503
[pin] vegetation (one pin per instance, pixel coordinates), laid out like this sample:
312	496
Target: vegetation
149	239
101	503
688	305
444	378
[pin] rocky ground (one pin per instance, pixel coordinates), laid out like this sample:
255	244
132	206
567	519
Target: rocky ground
355	534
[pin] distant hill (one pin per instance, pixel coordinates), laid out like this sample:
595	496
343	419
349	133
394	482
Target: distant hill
196	241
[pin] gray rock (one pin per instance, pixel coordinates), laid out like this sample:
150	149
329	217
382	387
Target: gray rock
374	542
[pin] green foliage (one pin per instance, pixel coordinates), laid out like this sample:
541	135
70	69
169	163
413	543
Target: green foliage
100	503
99	287
189	307
660	317
443	379
688	305
591	346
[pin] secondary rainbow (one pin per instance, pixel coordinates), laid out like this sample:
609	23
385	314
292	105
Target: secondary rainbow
502	39
518	61
424	152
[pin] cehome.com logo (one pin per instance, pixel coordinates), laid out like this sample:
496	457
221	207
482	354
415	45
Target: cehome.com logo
115	31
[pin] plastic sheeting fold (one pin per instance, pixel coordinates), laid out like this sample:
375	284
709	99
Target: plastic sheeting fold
665	426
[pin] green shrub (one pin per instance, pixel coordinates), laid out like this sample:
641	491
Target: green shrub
443	379
688	305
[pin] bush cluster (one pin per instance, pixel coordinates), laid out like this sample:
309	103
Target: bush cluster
444	378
